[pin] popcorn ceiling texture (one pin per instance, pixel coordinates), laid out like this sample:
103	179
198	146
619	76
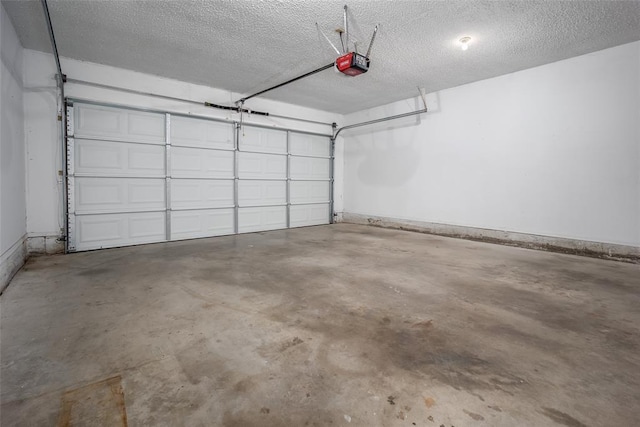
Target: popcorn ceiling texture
246	46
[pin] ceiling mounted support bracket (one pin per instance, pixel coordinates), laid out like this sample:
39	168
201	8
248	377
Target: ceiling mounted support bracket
346	30
327	39
350	63
424	100
373	37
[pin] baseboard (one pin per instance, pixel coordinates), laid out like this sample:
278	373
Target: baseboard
44	245
531	241
11	261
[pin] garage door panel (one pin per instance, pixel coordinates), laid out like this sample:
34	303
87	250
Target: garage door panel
304	215
147	160
309	191
263	140
118	158
309	145
191	132
91	120
309	168
259	193
110	230
119	194
201	223
94	121
145	127
262	166
200	163
201	193
118	174
262	219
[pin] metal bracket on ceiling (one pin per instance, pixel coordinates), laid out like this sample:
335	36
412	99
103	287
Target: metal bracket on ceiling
346	30
373	37
424	100
345	36
345	47
327	39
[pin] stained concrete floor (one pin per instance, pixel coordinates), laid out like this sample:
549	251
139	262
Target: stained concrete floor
331	325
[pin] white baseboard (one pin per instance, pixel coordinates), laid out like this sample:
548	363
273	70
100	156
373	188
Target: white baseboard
11	261
532	241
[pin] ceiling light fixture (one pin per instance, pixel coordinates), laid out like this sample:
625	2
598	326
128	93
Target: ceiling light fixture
464	42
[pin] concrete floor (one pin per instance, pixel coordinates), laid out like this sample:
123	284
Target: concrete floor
332	325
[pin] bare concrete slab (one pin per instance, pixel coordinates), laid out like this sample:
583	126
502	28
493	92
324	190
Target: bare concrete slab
332	325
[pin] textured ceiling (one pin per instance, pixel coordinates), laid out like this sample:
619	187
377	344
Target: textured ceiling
246	46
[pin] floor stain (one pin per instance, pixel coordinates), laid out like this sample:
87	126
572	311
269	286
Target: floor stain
562	418
426	324
429	402
478	396
291	343
92	272
99	403
473	415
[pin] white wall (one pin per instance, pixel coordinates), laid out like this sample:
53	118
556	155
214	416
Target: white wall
12	153
42	135
551	151
44	209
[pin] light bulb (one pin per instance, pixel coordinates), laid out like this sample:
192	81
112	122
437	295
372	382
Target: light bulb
464	43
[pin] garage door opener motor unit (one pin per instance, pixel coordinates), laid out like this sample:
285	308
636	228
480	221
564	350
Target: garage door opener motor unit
349	62
352	64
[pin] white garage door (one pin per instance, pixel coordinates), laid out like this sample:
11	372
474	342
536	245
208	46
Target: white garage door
141	177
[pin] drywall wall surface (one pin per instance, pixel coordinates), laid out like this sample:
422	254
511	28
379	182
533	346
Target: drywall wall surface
552	151
45	219
12	153
44	207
